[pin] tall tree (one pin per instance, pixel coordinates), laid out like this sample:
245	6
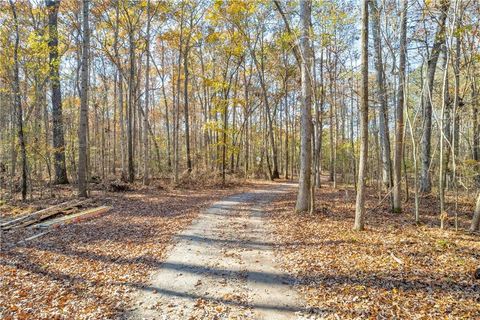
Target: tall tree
186	52
399	126
57	116
131	24
18	101
362	166
304	196
425	181
83	126
147	99
382	96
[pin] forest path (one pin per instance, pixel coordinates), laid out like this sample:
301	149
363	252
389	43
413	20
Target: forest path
223	267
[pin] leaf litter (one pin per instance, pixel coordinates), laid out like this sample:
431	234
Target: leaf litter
89	270
393	269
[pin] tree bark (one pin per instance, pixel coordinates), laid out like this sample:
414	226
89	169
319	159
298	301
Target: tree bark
185	107
261	72
362	166
399	128
319	101
476	216
165	101
425	181
445	131
304	196
130	113
83	126
147	101
382	98
476	132
119	85
57	117
18	103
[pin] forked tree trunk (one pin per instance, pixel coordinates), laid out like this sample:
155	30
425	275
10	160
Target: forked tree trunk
261	74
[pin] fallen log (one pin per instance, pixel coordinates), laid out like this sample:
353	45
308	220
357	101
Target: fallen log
72	218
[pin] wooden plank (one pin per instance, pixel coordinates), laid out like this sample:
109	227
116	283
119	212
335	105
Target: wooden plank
29	215
35	236
72	218
45	214
44	217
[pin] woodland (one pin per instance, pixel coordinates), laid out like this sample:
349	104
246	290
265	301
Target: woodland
353	126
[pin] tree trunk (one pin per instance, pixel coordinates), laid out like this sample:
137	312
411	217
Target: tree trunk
332	75
476	132
399	128
18	103
444	154
425	182
119	100
285	85
382	98
224	138
476	216
275	174
130	114
362	166
147	100
177	103
319	114
83	126
57	118
185	107
167	117
304	184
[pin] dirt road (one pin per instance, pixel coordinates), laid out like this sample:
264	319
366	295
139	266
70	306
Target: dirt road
223	267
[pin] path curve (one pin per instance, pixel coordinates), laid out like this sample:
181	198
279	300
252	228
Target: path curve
223	267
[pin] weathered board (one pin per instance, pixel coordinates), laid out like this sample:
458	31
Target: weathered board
43	214
72	217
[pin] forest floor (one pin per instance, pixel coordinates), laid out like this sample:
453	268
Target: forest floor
394	269
88	270
174	253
